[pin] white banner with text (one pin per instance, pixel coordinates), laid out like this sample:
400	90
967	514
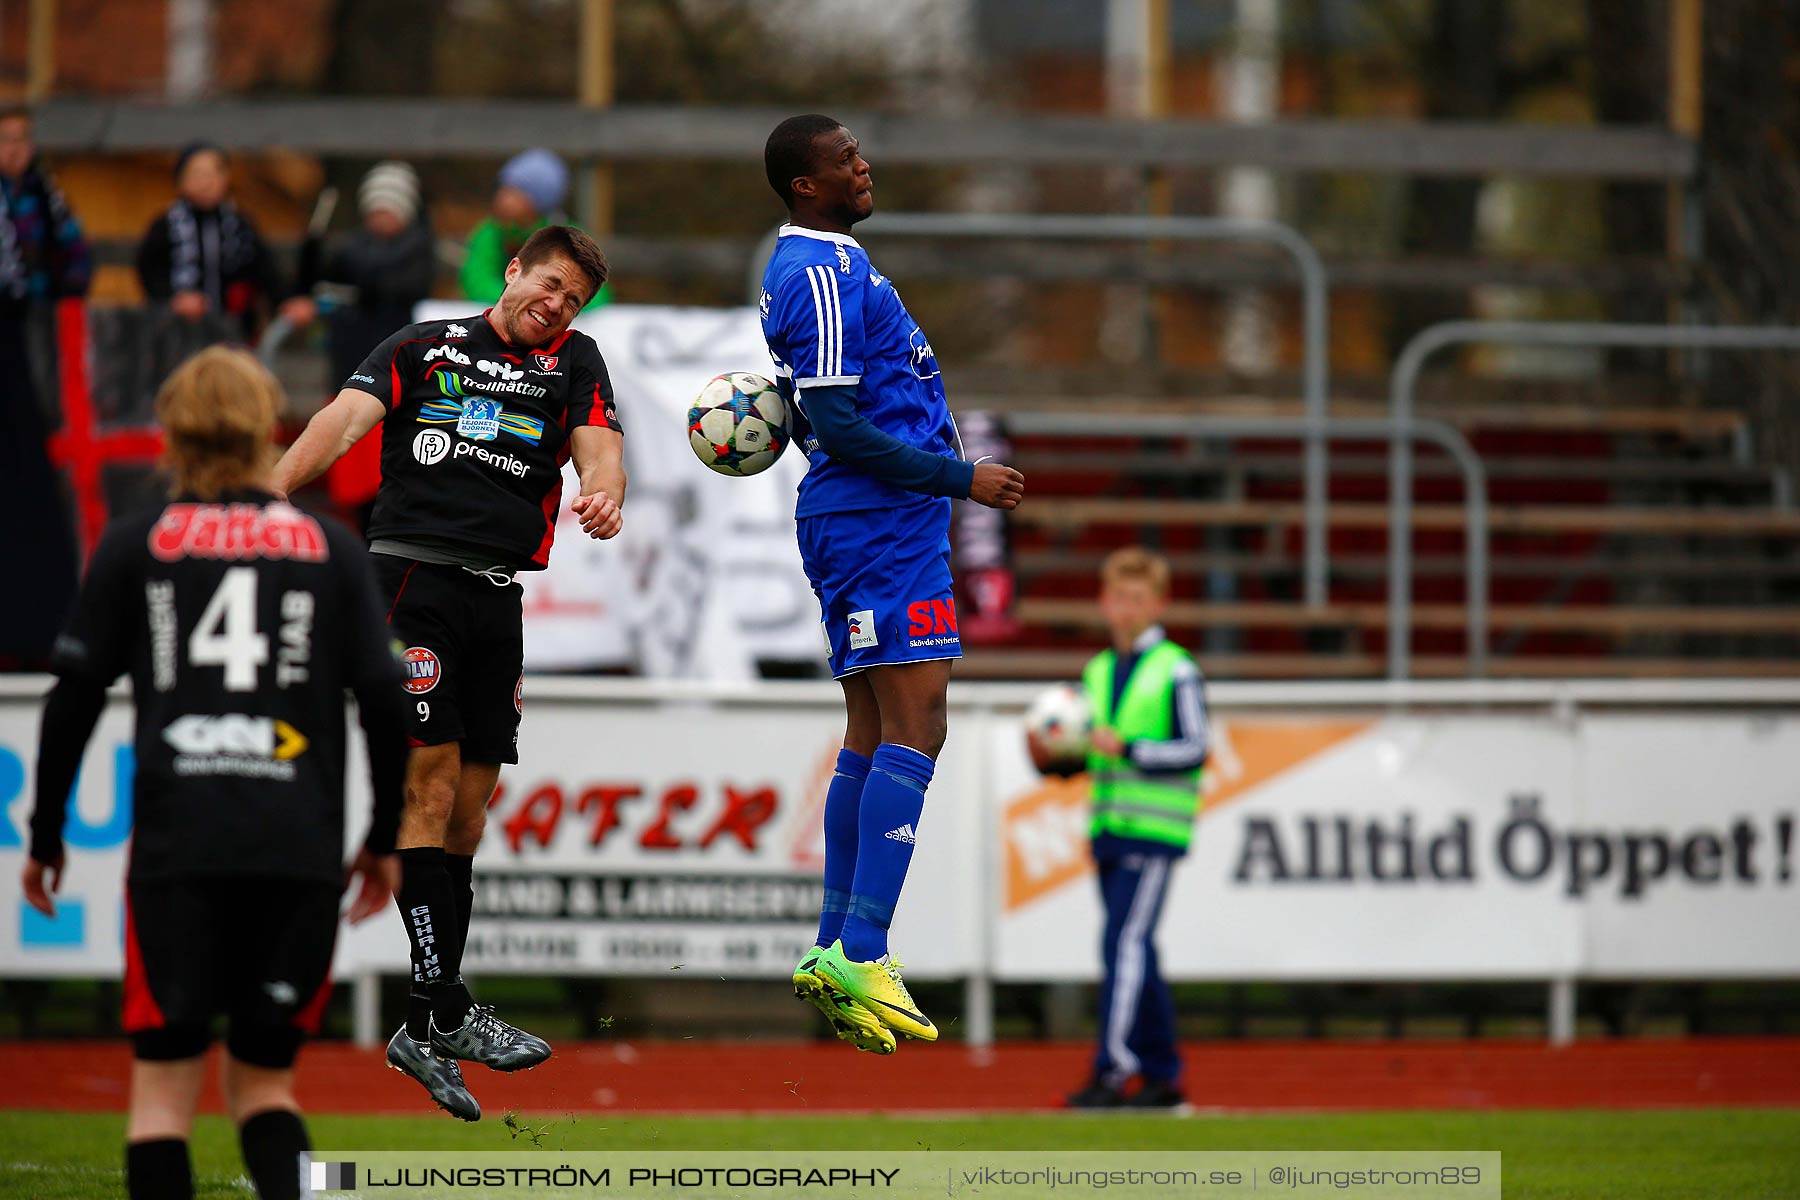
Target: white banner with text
656	828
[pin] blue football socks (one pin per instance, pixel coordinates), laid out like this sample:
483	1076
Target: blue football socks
892	799
842	800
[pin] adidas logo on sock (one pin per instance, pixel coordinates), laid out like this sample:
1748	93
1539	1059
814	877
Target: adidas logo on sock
903	834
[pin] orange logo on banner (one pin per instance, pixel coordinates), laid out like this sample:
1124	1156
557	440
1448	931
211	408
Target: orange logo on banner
1046	829
807	851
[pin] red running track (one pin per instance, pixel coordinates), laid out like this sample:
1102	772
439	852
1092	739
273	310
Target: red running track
800	1077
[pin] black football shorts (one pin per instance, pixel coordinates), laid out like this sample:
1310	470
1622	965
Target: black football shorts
256	949
464	655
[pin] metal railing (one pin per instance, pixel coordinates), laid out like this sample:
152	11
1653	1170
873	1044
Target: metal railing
1313	289
1580	334
1475	499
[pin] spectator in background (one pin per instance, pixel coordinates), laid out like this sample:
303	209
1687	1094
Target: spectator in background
202	257
532	187
43	259
389	264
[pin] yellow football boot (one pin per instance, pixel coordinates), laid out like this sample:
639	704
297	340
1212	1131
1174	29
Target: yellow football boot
849	1020
877	988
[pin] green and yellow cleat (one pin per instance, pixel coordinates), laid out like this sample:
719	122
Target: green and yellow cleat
849	1020
877	988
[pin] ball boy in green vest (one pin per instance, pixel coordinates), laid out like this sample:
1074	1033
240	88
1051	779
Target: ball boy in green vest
1149	744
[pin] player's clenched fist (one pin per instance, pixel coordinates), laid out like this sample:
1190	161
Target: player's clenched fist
997	486
600	517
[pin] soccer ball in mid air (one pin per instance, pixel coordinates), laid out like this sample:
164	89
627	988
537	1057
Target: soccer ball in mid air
1058	727
738	424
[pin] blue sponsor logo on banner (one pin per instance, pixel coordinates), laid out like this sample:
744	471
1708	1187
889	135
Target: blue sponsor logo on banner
67	929
79	832
12	783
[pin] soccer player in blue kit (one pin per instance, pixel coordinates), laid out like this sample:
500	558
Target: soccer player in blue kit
873	517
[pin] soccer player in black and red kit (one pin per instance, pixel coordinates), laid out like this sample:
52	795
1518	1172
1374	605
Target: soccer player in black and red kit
478	415
241	621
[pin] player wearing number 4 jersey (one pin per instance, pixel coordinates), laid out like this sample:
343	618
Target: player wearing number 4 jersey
241	621
478	416
883	464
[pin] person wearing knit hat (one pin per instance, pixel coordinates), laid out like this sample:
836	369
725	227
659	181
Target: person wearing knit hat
390	187
537	175
388	263
529	195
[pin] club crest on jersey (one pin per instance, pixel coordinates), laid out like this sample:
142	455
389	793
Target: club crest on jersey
423	670
843	260
480	420
545	362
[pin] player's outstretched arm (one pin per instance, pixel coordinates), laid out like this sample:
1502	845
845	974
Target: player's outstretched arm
599	455
70	713
327	438
847	435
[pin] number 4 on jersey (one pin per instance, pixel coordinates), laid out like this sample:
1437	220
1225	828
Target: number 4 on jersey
226	635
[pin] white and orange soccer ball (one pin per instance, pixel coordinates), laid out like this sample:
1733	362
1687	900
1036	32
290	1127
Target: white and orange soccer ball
738	425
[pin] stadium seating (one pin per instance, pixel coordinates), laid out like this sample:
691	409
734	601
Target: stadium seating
1623	541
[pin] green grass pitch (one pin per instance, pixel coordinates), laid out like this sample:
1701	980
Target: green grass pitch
1744	1154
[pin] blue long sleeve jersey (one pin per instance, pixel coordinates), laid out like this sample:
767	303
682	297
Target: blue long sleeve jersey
870	411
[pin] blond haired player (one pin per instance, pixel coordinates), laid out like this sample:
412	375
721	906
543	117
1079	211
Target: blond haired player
241	620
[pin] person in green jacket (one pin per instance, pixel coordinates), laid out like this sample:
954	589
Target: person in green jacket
530	193
1148	747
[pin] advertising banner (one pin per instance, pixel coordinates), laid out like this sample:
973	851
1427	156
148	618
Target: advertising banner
650	837
1448	847
86	937
1686	856
705	580
658	828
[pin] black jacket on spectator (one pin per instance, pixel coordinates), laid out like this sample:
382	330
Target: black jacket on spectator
43	256
390	276
213	251
43	259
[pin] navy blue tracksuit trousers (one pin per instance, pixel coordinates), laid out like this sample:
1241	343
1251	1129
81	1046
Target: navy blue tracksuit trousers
1137	1015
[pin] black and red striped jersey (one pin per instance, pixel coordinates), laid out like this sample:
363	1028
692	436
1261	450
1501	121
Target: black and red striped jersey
476	433
241	622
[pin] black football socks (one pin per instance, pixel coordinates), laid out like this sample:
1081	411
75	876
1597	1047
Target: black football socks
428	909
452	1005
272	1142
461	869
159	1170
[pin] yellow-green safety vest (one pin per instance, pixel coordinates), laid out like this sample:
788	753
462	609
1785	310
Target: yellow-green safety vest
1128	802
